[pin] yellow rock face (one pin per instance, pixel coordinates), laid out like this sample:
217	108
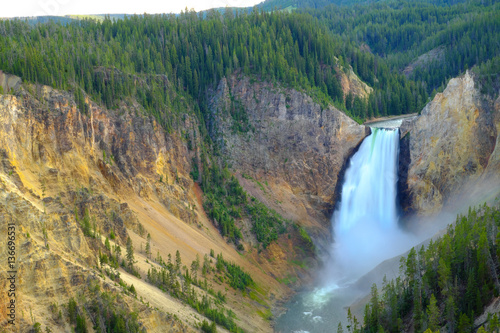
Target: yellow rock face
58	166
450	145
351	83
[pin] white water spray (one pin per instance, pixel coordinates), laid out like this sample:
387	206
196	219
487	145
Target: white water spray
365	230
365	225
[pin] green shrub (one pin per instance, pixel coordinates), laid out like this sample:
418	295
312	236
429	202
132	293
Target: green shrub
208	328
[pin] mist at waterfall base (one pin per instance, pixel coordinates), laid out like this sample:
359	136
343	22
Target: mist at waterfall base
365	231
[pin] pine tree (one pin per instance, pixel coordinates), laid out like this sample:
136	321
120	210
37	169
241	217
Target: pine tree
195	265
375	308
148	246
417	307
444	276
178	261
118	252
433	314
494	324
450	309
464	324
206	265
130	254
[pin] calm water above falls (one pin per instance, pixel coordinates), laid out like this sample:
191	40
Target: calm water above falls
366	232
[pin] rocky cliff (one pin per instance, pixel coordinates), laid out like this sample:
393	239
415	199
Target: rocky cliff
291	153
450	148
121	174
351	83
9	82
58	165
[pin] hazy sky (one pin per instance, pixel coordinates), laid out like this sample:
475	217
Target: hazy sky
14	8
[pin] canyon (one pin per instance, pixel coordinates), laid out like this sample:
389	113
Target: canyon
126	174
59	164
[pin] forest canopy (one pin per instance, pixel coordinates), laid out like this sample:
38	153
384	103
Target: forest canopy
163	61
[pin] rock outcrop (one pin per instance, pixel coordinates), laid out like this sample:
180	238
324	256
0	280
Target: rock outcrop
293	152
434	55
493	168
352	84
449	148
9	82
49	146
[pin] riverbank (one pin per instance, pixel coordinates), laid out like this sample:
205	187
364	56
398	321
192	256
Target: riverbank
390	122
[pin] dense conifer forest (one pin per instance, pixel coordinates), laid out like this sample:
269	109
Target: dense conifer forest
146	57
444	284
166	61
462	35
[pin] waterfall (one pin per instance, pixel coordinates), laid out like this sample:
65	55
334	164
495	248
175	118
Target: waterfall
365	224
365	232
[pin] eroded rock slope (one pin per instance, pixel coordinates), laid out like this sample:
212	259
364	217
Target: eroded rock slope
120	173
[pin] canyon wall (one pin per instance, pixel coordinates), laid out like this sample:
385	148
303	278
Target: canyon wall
120	171
450	151
293	152
59	165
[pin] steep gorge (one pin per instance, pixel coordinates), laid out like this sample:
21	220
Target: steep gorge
58	164
133	178
130	177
